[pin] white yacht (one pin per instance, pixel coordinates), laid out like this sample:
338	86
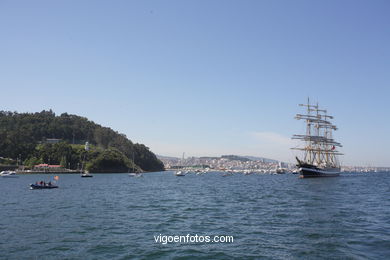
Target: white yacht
136	174
180	173
86	174
8	174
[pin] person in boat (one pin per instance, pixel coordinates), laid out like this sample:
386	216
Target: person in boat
49	184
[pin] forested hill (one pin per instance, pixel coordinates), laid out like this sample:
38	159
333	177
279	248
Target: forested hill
27	135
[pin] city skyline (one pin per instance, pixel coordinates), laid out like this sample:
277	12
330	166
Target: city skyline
206	78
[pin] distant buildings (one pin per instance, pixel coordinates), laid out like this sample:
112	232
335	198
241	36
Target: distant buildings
51	141
238	164
44	166
223	163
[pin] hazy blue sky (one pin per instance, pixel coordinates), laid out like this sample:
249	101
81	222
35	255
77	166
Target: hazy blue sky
205	77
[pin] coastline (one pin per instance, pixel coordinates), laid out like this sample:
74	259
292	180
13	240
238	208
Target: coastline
48	172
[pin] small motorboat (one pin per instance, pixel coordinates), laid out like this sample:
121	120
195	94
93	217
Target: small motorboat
180	173
8	174
40	186
85	175
136	174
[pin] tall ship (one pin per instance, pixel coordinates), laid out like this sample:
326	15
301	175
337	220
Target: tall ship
319	149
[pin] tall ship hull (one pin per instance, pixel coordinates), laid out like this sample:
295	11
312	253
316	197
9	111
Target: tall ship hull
319	150
314	173
311	171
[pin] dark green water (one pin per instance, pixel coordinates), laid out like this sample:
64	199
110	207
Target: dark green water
113	216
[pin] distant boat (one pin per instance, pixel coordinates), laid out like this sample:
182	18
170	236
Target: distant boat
133	173
86	175
41	186
320	154
280	170
180	173
8	174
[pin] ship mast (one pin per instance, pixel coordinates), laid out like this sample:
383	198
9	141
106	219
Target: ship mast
320	147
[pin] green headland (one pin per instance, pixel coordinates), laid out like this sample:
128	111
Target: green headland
30	139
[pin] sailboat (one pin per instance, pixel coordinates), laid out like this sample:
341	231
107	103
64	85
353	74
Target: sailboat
181	173
133	173
85	173
319	152
279	169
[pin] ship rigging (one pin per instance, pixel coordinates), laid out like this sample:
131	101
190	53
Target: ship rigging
320	149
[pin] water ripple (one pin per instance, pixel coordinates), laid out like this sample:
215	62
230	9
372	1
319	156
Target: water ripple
270	217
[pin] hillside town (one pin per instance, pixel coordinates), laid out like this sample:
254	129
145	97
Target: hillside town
250	164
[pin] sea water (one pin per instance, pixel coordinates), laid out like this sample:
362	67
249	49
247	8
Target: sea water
114	216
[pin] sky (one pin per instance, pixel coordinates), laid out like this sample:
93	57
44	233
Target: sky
205	77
